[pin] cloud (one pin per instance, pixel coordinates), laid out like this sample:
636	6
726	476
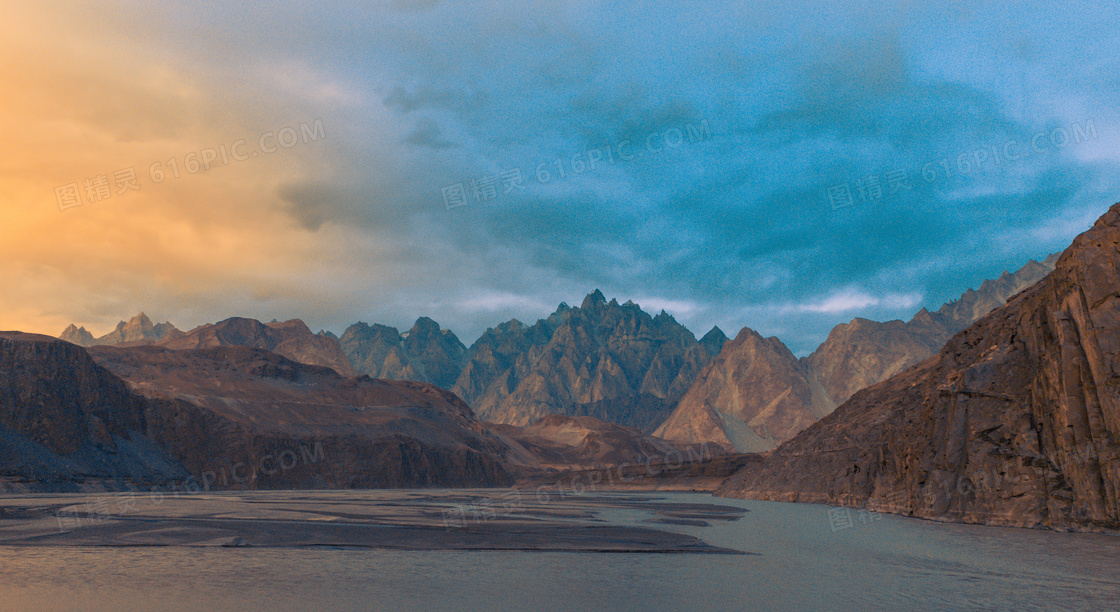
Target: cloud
788	103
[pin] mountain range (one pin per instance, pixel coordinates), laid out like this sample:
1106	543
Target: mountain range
614	362
1002	407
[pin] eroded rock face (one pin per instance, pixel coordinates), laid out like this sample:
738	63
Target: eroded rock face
1016	421
293	339
605	359
424	353
756	394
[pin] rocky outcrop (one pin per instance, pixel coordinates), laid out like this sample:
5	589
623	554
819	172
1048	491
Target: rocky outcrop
1016	421
424	353
587	360
756	394
292	339
67	424
138	329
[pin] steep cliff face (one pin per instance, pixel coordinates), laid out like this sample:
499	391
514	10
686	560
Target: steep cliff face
756	395
241	417
594	359
293	339
763	393
65	421
424	353
1016	421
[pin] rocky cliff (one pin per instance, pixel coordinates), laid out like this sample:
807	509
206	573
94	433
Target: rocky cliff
1016	421
424	353
756	394
606	359
67	424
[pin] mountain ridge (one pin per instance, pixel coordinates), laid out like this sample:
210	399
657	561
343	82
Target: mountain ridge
720	404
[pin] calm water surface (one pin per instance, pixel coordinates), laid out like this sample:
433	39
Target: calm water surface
804	561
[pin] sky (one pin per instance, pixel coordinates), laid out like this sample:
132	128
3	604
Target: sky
784	166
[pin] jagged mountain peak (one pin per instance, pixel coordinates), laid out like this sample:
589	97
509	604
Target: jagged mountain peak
424	325
77	335
424	353
714	340
137	329
606	359
594	298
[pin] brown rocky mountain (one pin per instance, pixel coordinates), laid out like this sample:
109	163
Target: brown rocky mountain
424	353
605	359
66	424
134	416
242	417
137	329
1016	421
77	335
292	339
756	394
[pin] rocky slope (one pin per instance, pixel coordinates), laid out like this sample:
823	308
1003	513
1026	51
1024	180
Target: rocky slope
67	424
424	353
137	329
606	359
756	394
1016	421
292	339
